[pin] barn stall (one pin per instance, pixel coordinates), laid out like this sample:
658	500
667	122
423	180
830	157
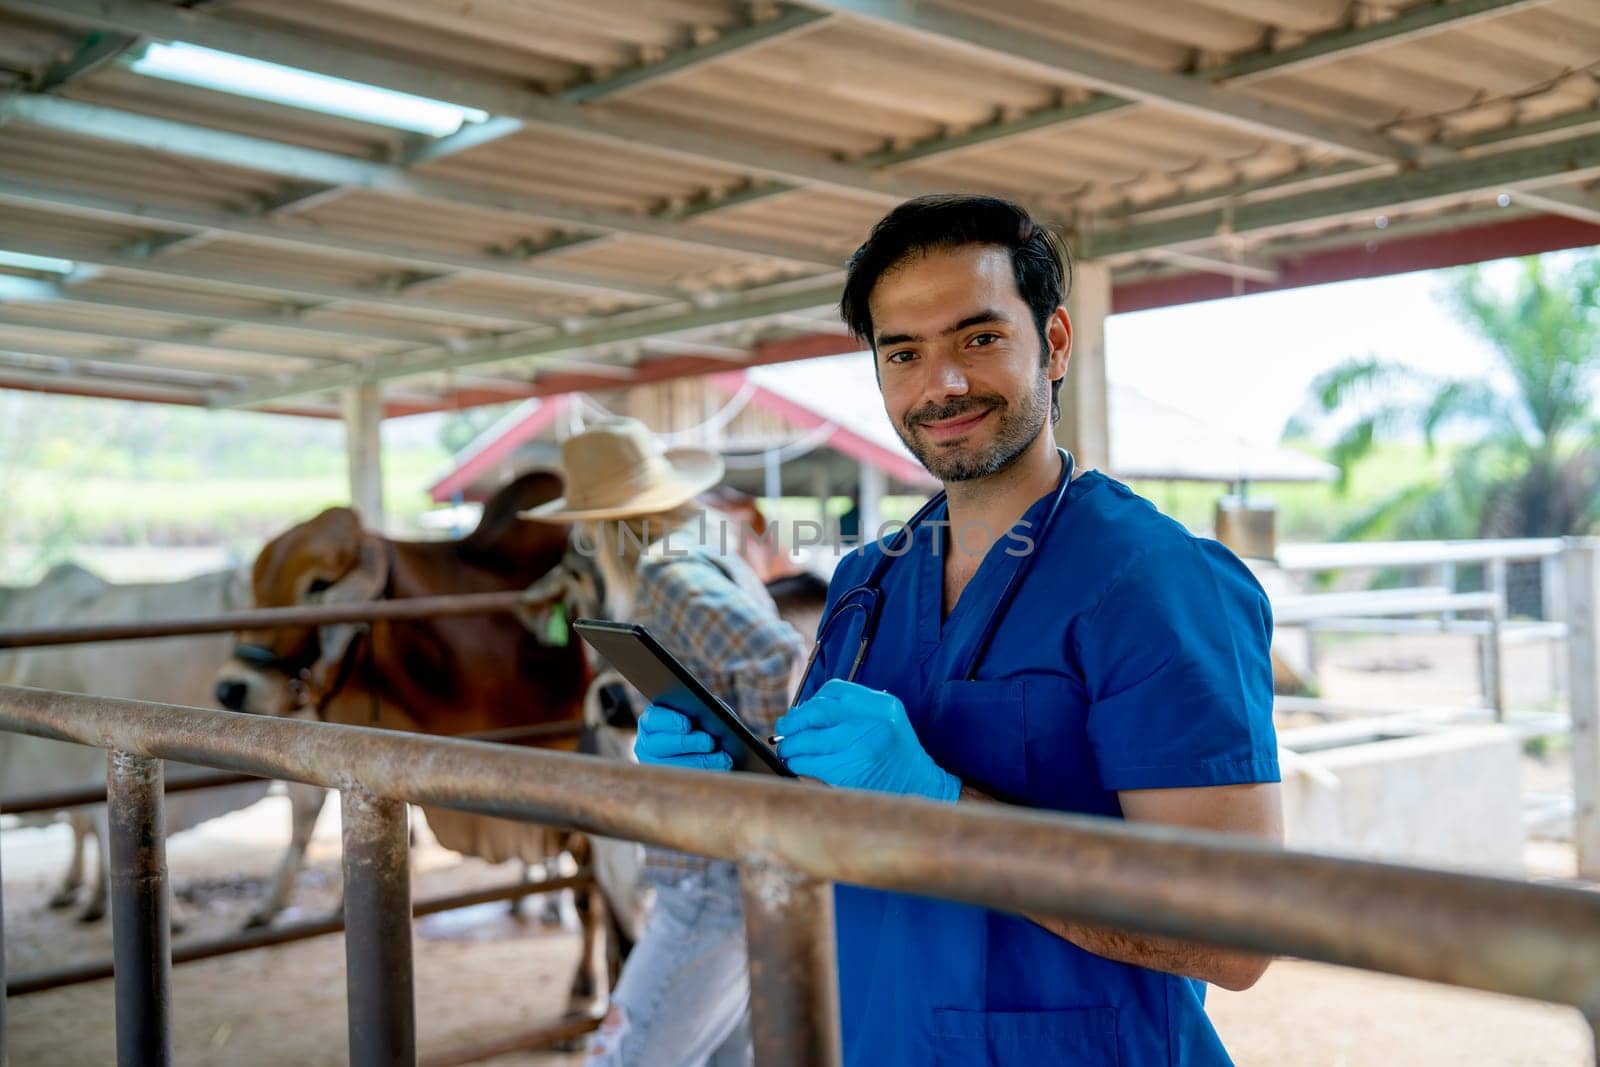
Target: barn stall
620	194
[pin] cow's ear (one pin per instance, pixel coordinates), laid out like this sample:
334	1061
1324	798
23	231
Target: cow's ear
365	582
367	579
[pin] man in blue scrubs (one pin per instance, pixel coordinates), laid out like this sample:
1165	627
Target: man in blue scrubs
1127	677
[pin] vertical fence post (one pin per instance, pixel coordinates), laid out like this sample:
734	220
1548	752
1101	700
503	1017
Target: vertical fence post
377	931
141	936
1582	559
794	995
3	1060
1495	575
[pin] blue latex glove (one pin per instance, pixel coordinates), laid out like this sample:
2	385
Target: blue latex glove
668	739
849	735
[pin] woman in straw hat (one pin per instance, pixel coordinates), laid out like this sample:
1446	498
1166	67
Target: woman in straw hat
683	997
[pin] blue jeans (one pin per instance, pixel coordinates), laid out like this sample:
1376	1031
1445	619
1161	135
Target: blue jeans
684	996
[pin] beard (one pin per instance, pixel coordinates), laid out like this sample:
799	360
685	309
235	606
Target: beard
1016	427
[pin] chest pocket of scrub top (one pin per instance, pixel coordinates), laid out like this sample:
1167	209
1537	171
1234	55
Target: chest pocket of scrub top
1082	1037
976	731
1023	738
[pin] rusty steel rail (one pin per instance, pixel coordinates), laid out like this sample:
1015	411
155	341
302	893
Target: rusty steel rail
61	799
32	982
422	607
1535	941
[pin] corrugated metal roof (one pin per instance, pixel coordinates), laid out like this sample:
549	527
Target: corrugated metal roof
700	168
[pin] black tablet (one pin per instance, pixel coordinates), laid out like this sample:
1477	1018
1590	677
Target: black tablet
656	673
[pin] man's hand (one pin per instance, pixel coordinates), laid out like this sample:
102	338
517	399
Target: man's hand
668	739
852	736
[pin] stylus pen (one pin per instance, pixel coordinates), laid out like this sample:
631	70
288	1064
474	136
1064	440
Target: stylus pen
775	739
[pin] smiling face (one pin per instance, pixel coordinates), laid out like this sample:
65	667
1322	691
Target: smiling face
964	373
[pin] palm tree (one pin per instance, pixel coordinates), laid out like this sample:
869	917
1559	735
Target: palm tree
1530	466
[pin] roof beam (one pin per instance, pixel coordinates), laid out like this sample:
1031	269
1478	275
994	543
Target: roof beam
126	358
18	376
330	168
1246	268
610	371
1568	125
684	346
1322	48
300	236
1326	47
634	327
993	133
1411	25
1564	161
997	43
471	135
189	341
498	96
475	135
1577	204
738	39
54	292
98	49
303	197
272	285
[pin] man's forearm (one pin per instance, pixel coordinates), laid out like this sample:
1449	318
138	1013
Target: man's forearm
1223	967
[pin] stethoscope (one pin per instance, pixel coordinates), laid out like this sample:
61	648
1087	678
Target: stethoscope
867	598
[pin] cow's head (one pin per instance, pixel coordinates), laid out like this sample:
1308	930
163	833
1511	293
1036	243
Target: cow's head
574	586
330	559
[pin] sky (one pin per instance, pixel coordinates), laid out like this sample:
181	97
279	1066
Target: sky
1246	362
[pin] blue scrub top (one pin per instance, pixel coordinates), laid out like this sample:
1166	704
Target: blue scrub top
1134	656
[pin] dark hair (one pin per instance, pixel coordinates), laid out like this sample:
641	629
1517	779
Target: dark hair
1039	259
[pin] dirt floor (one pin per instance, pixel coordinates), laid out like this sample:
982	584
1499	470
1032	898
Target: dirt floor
481	975
1435	670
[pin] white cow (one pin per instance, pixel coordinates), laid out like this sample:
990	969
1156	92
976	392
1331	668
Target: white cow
180	670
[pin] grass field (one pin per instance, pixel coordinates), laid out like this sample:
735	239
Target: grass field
51	514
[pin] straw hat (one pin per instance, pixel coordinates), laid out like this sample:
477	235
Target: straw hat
616	470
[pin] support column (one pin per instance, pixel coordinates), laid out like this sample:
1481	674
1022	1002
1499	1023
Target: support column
1085	426
772	476
1582	559
363	418
3	1060
794	989
140	932
870	492
822	489
377	930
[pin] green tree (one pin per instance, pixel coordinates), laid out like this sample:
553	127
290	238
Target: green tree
1528	460
462	427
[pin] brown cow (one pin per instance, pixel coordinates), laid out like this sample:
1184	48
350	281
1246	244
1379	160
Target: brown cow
449	675
452	675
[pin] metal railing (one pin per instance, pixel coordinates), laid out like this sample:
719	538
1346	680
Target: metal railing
1570	618
249	940
393	611
790	841
1343	555
400	609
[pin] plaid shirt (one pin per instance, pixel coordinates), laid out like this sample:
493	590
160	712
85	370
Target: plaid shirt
713	613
